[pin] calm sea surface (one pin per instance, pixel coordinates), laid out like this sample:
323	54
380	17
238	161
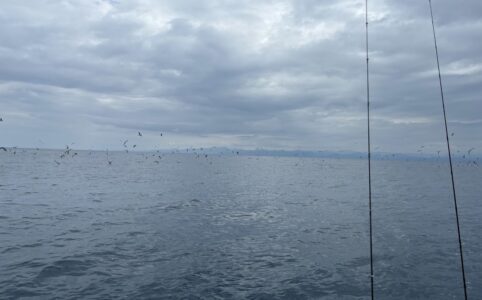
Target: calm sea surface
232	227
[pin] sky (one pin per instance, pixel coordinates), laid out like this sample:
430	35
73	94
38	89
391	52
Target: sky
281	74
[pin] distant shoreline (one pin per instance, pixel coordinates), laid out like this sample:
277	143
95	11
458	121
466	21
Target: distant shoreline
274	153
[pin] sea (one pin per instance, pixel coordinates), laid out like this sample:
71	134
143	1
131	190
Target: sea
153	225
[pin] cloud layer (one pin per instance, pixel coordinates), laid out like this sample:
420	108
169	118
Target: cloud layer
246	74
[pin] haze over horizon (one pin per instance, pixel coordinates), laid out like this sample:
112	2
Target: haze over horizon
252	74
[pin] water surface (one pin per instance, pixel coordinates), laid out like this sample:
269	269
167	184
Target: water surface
232	227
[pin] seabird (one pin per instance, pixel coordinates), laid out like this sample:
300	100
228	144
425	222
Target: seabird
109	161
3	148
139	133
470	150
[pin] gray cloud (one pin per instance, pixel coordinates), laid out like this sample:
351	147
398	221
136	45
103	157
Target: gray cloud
273	74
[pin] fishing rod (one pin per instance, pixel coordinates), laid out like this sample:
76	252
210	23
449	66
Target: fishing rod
369	154
450	156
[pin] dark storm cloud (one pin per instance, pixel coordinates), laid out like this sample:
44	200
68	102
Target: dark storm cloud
283	74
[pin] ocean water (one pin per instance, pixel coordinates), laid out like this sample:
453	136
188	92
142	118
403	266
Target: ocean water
232	227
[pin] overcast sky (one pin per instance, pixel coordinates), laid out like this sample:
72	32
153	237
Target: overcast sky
246	74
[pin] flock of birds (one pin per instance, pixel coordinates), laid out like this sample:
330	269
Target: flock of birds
157	156
199	152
